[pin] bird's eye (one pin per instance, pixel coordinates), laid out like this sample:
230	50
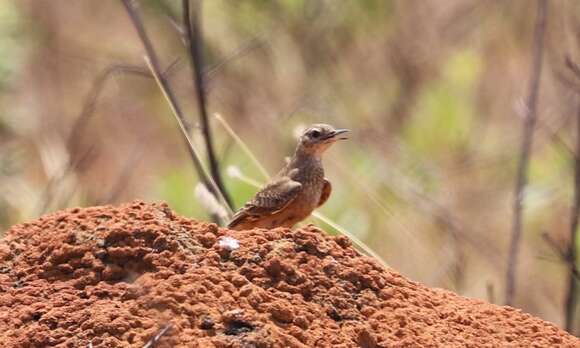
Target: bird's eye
315	133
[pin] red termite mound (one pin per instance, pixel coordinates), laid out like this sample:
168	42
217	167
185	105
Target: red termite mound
115	276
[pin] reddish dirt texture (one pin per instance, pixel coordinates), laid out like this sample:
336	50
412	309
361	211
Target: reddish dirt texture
115	276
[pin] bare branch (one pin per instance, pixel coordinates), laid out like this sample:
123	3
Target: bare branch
529	125
241	51
77	131
195	153
193	39
164	85
171	16
553	245
561	253
92	97
573	67
81	121
554	137
152	55
490	290
571	253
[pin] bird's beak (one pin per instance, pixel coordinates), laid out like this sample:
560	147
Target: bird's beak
337	134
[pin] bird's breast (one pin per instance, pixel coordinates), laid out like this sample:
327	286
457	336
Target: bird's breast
312	180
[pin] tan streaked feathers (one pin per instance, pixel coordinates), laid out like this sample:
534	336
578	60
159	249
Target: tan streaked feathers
270	200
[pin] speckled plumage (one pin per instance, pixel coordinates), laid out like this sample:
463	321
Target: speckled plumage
298	189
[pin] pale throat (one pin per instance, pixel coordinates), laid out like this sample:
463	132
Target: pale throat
314	153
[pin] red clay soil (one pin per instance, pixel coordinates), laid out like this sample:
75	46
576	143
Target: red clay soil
115	276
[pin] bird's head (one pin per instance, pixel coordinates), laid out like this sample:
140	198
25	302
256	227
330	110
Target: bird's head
317	138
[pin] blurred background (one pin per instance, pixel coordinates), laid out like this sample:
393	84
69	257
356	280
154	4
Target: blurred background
433	91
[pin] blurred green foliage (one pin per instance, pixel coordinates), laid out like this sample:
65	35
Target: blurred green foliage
445	110
11	37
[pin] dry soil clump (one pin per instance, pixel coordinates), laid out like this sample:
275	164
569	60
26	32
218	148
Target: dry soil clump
115	276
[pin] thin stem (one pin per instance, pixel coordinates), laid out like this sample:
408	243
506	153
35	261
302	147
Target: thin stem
193	37
152	56
529	124
74	161
195	154
243	146
571	254
154	66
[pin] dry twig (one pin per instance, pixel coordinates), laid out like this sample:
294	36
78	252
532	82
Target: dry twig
571	252
193	40
155	67
561	252
77	131
526	147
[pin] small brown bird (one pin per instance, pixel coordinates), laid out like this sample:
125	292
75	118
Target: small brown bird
297	189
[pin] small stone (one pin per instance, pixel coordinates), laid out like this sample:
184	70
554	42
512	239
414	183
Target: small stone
273	267
229	243
207	323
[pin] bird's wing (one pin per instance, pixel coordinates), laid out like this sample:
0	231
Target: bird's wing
271	199
326	190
